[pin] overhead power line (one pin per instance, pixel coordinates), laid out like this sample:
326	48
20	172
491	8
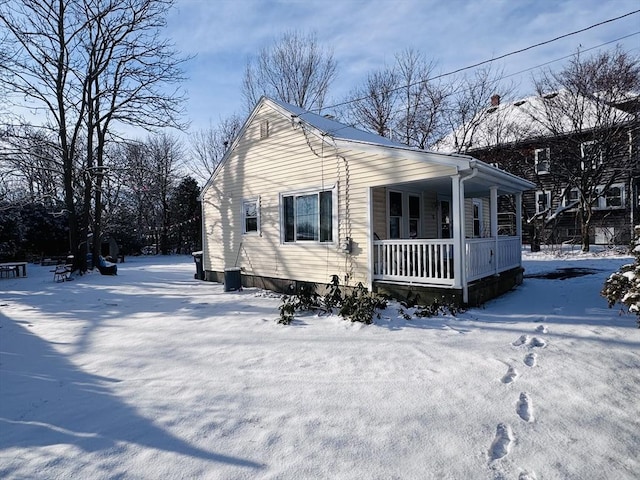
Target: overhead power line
515	52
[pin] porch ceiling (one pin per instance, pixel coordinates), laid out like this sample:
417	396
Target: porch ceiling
474	187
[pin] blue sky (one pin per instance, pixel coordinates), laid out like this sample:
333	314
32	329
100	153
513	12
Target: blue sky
366	34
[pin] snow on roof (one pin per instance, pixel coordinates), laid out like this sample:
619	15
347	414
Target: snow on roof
529	118
336	129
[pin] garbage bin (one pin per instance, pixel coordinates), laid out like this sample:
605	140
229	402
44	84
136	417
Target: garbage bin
197	257
232	279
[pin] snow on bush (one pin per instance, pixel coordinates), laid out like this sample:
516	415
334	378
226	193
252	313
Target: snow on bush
623	286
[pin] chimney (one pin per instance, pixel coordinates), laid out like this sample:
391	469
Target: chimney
495	100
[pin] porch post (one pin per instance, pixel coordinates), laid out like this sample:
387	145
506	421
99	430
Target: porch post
519	223
457	212
519	215
494	224
370	248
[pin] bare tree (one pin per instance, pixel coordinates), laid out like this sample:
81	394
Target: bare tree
88	65
295	70
401	102
588	111
208	146
420	123
43	39
374	104
165	157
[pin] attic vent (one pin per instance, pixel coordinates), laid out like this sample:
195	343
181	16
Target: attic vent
551	95
264	129
519	102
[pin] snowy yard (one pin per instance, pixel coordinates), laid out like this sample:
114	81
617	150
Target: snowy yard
154	375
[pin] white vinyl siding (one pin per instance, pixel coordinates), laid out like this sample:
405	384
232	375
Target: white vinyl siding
284	162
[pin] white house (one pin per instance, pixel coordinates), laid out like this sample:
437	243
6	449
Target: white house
299	197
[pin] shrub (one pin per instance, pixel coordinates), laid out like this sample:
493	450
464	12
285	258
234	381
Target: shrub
623	286
358	306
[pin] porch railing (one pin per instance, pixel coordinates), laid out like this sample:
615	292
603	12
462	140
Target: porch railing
430	261
488	256
416	261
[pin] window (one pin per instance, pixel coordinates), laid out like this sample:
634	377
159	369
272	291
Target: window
250	217
542	160
614	197
543	201
395	215
308	217
477	217
414	216
571	197
591	155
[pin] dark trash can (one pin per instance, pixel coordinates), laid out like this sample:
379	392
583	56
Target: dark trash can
232	279
197	258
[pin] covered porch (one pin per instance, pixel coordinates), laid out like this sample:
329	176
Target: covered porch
446	234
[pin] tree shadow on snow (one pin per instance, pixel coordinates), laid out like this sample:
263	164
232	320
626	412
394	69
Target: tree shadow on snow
47	400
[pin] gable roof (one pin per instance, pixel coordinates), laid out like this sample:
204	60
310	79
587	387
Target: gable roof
527	119
350	138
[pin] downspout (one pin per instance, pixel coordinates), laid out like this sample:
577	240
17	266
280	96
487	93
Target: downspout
461	214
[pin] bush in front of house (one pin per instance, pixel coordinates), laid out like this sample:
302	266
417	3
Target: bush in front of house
623	286
359	305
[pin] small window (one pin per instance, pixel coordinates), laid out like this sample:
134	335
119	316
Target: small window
543	201
308	217
250	217
542	160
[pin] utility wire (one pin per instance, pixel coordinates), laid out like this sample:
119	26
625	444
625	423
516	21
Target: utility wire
515	52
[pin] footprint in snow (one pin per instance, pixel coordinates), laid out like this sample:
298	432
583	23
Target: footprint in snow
510	376
527	476
523	340
502	443
541	329
530	359
525	407
535	342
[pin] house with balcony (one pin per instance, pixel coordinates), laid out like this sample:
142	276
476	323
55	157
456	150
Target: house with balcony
299	197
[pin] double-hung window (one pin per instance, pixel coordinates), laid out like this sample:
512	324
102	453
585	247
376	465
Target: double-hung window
614	196
250	216
542	160
571	197
591	154
543	200
308	217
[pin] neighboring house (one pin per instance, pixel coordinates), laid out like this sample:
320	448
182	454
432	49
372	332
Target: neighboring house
299	197
572	148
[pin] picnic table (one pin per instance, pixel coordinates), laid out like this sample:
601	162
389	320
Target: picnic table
13	268
62	272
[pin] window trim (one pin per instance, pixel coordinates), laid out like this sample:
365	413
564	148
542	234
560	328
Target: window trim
599	162
603	198
537	162
257	231
547	193
334	216
477	202
565	196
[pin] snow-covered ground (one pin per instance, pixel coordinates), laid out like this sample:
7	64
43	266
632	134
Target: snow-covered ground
154	375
